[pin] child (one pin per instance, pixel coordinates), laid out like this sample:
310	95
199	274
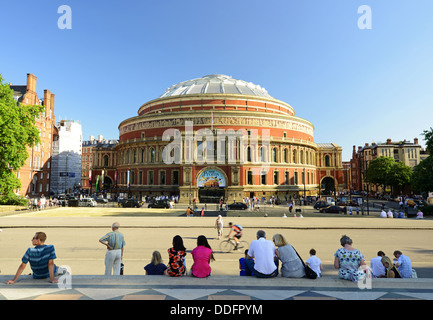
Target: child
246	265
156	267
315	263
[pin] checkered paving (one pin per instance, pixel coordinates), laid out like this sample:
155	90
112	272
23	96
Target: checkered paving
52	292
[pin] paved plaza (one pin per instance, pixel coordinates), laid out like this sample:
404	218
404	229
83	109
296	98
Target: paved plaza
75	232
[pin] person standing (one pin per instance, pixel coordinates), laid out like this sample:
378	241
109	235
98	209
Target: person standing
41	259
115	243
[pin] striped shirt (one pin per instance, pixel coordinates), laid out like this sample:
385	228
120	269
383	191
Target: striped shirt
115	239
38	258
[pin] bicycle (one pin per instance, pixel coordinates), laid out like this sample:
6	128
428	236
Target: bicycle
229	245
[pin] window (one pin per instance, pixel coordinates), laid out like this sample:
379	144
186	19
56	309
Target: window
287	177
150	177
162	177
176	177
295	178
105	161
274	155
249	177
249	154
276	177
263	177
327	161
152	155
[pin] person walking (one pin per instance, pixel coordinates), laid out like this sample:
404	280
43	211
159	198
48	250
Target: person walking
115	243
219	226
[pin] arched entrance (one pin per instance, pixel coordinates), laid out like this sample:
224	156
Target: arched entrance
211	183
328	186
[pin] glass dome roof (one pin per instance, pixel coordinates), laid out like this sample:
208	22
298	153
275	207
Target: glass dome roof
215	83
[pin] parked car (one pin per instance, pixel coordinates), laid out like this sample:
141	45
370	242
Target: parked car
332	209
237	206
87	202
159	204
321	204
132	203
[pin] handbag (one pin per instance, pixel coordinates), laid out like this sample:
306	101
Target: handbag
309	273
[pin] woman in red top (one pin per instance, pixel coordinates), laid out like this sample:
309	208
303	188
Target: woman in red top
202	256
176	256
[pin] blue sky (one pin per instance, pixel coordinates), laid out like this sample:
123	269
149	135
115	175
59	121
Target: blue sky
354	85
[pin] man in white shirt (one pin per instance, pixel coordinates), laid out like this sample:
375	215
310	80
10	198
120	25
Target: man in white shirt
376	265
263	251
383	214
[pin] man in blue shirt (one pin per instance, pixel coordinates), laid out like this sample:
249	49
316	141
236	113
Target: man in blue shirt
404	264
41	259
115	243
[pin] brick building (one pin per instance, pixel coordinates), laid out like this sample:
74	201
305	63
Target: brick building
35	174
216	137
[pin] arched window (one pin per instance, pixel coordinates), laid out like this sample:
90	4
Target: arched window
301	156
327	161
249	154
286	155
262	152
274	155
294	156
152	155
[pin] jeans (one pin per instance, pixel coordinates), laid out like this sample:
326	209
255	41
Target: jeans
113	259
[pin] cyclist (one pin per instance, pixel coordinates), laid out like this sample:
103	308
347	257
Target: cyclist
237	231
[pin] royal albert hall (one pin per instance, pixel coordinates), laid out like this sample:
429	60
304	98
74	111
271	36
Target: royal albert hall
217	137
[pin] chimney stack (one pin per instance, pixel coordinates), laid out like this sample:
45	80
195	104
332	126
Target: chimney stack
31	83
415	141
388	141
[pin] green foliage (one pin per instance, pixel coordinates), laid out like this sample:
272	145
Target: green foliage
428	137
384	171
13	200
378	171
17	132
423	176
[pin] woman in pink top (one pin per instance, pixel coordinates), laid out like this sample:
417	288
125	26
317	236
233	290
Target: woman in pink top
202	255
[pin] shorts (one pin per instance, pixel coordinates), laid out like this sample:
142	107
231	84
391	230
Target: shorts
238	235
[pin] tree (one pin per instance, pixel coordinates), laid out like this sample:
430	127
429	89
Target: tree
428	137
422	180
384	171
400	176
378	171
17	132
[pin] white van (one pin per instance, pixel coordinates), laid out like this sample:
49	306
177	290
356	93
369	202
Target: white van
87	202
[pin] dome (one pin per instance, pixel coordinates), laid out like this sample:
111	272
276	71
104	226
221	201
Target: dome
215	83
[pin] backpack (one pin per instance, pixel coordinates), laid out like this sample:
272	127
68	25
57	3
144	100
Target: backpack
239	226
